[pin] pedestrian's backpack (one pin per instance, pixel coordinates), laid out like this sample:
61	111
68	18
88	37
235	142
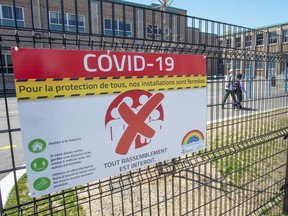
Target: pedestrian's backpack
236	85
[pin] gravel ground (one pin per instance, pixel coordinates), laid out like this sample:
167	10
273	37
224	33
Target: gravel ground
184	193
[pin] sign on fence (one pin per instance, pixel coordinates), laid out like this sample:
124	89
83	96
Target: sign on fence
87	115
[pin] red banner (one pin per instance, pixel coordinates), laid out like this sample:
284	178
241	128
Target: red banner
29	64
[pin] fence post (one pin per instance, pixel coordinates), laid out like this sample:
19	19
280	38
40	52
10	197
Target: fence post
250	82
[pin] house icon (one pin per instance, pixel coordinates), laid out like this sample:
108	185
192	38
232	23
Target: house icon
37	146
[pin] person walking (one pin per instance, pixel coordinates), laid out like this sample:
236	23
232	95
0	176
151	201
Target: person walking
229	78
239	88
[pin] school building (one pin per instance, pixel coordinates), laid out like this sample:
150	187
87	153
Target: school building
57	24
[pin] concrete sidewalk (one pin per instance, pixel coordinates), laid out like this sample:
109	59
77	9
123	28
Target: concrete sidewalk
7	184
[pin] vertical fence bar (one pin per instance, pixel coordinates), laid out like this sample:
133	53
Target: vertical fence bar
285	201
135	20
186	30
113	19
194	36
90	21
200	31
286	80
77	38
250	82
2	71
177	37
144	24
48	24
63	25
154	26
102	32
32	23
163	23
14	13
269	79
169	26
124	19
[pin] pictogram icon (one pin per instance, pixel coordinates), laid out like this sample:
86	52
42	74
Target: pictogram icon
133	118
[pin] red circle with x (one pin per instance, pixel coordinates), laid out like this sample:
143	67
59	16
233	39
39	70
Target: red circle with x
136	122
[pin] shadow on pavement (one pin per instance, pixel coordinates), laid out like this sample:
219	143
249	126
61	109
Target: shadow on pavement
248	109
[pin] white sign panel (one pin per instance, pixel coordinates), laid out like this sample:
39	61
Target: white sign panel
80	129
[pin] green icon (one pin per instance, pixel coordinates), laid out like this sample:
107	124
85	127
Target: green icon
37	145
39	164
41	183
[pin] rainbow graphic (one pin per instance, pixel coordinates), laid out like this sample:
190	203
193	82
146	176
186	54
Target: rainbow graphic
192	136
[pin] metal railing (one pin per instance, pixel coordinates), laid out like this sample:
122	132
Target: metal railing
243	170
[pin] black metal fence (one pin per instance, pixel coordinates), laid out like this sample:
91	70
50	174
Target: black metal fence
243	169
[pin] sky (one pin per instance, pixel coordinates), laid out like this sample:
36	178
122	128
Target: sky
246	13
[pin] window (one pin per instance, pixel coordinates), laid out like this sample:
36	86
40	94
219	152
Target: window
238	42
228	64
220	65
220	43
247	63
6	61
248	41
175	27
155	32
272	67
237	64
285	36
7	17
259	39
119	28
228	43
259	65
272	38
70	23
